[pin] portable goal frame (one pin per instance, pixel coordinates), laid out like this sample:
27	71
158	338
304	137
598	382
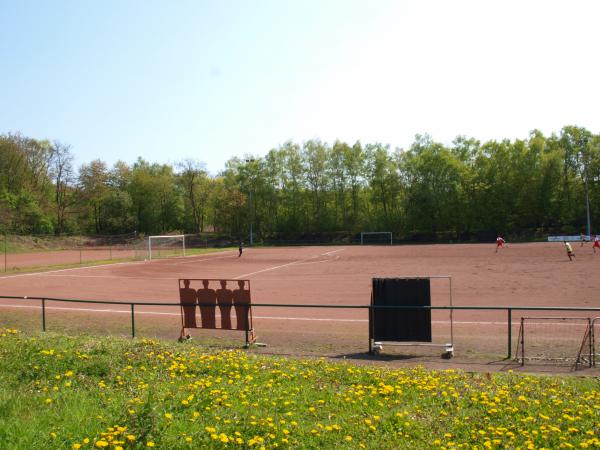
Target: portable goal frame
582	355
375	346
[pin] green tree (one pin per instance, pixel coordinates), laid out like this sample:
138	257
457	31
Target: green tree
315	156
434	197
64	178
385	189
154	197
94	185
195	185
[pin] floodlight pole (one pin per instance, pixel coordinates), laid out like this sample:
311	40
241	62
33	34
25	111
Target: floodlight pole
251	160
587	204
251	217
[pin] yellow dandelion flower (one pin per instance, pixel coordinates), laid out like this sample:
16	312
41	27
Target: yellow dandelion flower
149	444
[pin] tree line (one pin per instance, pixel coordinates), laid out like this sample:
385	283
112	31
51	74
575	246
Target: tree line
466	190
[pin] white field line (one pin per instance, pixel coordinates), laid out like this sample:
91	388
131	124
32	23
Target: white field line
51	272
117	277
268	269
136	278
31	274
186	262
189	258
309	319
318	262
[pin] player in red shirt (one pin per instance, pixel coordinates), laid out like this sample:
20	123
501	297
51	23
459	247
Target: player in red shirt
596	243
499	243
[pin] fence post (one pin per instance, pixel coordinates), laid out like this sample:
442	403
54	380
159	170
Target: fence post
132	320
247	319
43	314
509	333
110	241
522	342
80	245
591	342
5	252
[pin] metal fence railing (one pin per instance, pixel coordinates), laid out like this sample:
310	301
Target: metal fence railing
508	310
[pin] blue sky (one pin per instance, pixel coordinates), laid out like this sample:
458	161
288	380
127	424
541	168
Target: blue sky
210	80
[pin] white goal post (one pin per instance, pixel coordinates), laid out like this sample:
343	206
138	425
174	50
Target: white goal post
174	242
380	234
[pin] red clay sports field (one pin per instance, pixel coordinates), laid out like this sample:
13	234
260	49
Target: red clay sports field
531	274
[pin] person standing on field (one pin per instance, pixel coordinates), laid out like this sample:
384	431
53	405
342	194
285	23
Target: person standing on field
596	243
570	252
499	243
241	248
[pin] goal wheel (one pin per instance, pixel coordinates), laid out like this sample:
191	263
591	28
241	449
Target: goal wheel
448	352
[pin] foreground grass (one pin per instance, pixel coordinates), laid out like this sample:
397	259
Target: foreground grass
64	392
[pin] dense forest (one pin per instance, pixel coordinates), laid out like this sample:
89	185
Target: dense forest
466	191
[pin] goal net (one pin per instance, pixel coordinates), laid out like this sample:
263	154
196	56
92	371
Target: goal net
555	340
376	238
155	247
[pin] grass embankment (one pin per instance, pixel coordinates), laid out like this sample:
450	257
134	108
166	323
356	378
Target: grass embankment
28	244
104	262
64	392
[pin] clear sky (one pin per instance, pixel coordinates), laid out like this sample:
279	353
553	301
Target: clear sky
209	80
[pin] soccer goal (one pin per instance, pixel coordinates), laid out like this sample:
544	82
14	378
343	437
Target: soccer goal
401	314
563	341
162	247
376	238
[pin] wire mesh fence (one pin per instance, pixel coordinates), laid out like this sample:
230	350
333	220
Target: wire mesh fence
31	251
337	331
